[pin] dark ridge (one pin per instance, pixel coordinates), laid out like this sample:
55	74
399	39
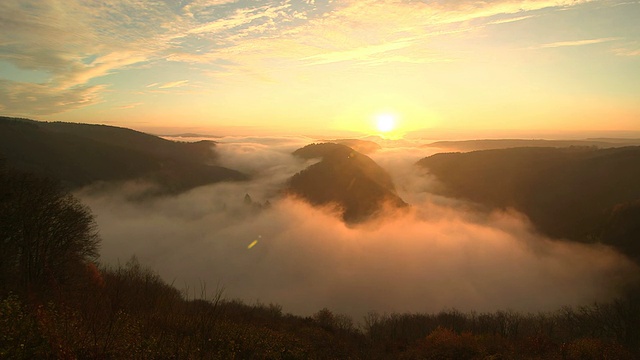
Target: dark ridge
81	154
359	145
490	144
344	177
566	192
621	228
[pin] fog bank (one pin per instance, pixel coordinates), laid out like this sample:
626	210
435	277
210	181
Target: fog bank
441	254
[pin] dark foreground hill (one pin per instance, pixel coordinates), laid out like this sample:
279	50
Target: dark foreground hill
570	193
81	154
344	177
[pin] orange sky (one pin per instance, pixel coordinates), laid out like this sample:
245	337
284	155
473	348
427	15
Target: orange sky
314	67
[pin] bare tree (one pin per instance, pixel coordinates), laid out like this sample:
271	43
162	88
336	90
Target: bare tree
46	235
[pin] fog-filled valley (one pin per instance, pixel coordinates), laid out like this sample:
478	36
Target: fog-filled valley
300	247
320	180
439	253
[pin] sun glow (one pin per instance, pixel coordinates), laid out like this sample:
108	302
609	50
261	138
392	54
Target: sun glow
385	122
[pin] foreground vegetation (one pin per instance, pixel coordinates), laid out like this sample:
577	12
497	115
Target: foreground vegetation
128	312
57	302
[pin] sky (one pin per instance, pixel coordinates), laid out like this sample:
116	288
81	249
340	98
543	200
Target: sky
321	67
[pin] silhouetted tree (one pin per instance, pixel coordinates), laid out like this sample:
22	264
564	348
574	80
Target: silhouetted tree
46	235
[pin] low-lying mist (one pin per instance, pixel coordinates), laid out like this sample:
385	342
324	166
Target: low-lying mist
440	254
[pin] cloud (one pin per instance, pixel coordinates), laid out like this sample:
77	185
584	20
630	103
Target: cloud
510	20
441	254
359	54
268	160
21	98
371	33
239	18
629	49
130	106
576	43
76	42
197	6
173	84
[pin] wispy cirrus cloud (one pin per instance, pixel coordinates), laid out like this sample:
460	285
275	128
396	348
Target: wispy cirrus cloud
130	106
73	42
76	42
627	52
630	49
173	84
41	99
377	32
575	43
240	19
510	20
361	53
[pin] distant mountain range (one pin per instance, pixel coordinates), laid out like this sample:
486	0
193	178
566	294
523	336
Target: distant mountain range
578	193
344	177
81	154
488	144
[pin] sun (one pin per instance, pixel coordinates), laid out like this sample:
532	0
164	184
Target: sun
385	122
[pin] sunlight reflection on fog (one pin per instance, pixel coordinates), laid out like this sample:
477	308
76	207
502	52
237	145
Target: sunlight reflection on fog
440	254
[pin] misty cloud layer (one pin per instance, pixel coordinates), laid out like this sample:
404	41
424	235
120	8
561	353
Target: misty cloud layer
439	255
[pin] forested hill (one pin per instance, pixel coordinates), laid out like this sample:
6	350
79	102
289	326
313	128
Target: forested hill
344	177
575	193
488	144
81	154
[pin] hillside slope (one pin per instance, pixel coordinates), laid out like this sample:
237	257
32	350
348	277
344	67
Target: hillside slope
344	177
490	144
81	154
566	192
